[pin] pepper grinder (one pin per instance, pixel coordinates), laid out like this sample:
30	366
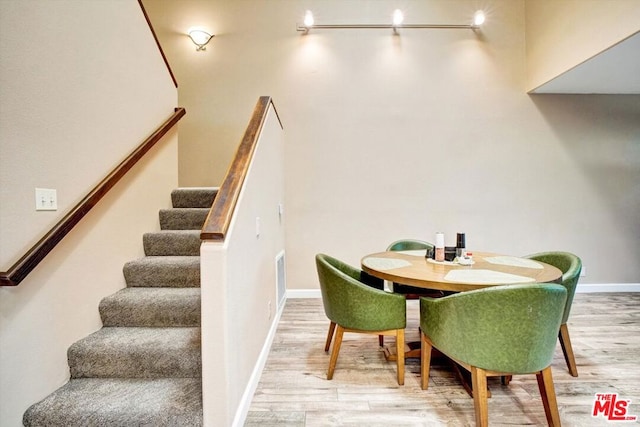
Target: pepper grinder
461	245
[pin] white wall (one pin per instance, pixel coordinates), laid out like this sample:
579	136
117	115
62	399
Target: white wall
564	33
79	90
401	136
239	282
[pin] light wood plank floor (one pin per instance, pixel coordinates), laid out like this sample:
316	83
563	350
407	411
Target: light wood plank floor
294	391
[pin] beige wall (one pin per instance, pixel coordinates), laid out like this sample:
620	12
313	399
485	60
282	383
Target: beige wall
561	34
390	137
80	89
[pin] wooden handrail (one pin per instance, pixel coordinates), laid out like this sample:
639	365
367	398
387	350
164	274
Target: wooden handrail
221	213
166	62
14	275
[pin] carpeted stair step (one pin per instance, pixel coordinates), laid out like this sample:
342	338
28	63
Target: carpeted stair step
120	402
137	353
172	242
193	197
152	307
183	218
165	271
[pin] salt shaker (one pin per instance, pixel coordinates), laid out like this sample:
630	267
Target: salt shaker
439	247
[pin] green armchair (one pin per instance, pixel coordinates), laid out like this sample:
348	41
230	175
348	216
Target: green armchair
496	331
571	266
354	306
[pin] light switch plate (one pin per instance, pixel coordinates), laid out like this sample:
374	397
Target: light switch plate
46	199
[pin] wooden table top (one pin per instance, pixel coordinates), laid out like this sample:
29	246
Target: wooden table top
489	269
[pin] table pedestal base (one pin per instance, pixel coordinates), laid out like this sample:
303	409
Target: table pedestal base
412	350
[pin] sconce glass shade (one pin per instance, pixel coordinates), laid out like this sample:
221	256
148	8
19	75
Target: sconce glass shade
200	38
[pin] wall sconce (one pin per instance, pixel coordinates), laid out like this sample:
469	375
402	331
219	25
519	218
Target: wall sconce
396	23
200	38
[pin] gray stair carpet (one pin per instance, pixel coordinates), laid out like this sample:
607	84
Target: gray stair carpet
193	197
161	307
143	367
183	218
166	271
172	242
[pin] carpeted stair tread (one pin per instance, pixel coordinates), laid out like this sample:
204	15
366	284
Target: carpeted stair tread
120	402
193	197
164	271
172	242
183	218
152	307
137	353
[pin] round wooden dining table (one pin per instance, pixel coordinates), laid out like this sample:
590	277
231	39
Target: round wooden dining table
487	269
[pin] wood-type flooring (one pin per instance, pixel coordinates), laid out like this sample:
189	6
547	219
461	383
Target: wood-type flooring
294	391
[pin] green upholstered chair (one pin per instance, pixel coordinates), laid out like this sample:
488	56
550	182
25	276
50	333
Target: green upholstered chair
570	265
354	306
496	331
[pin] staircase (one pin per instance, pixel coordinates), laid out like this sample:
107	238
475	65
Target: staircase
144	366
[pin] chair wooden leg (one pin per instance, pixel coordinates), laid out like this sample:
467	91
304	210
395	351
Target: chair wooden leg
334	354
506	379
332	327
425	361
400	353
479	381
565	343
381	340
548	394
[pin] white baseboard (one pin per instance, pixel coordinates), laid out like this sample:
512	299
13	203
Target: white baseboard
608	287
304	293
245	402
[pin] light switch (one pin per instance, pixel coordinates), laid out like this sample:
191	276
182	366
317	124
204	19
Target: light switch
46	199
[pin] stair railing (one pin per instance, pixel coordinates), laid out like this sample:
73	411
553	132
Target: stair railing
217	223
18	271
